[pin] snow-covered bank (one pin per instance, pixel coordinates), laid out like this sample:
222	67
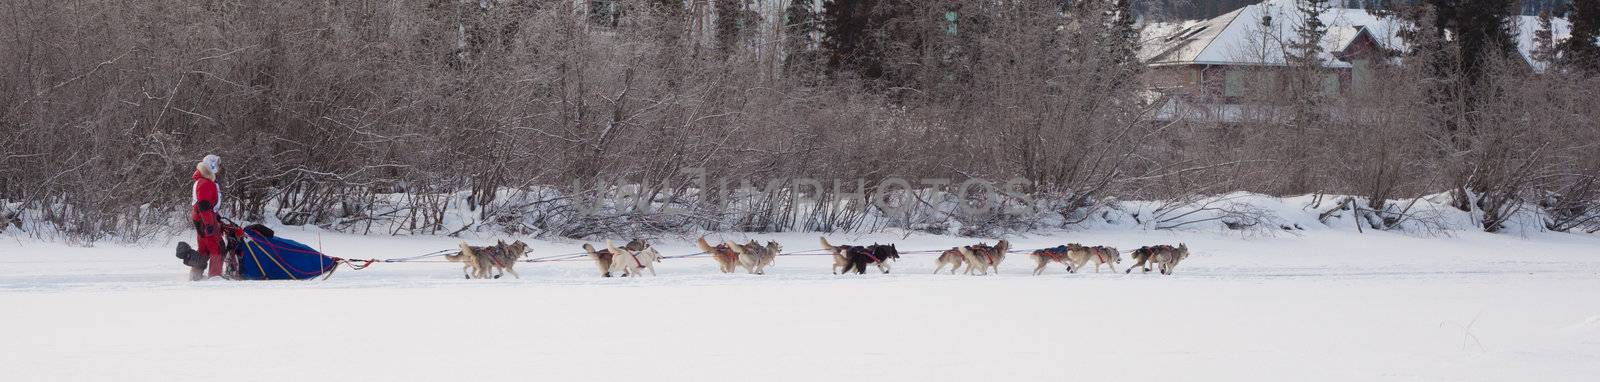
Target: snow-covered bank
1316	305
546	213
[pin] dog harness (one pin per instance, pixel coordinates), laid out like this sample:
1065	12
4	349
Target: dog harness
868	252
494	255
635	257
987	251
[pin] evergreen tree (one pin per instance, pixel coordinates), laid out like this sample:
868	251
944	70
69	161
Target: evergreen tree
799	35
1124	44
1307	76
1480	29
1306	50
799	26
1544	50
1580	49
846	33
1475	33
727	26
858	34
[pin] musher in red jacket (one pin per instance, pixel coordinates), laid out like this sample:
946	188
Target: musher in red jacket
203	212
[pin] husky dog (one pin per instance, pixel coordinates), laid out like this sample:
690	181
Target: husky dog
984	257
951	256
857	257
1169	259
1079	255
838	251
628	262
1043	257
469	263
500	257
754	257
602	258
1166	257
727	259
854	257
1102	255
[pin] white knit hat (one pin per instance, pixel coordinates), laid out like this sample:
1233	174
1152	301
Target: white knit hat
212	163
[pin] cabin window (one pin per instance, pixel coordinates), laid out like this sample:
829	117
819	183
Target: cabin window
950	26
1361	72
1330	84
1233	83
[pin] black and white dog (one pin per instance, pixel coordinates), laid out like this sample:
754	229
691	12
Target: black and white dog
857	257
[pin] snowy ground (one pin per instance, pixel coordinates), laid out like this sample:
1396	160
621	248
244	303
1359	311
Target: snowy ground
1321	305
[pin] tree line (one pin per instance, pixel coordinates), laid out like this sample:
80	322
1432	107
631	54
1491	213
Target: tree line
351	113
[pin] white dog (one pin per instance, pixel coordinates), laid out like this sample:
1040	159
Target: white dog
628	263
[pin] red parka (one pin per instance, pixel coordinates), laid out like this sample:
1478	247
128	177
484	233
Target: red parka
203	209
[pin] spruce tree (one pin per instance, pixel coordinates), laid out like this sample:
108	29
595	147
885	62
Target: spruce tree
1544	50
1306	49
1304	58
1124	42
845	33
1580	48
857	34
1480	28
727	26
799	28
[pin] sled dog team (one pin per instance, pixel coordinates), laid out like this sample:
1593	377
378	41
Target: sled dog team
637	256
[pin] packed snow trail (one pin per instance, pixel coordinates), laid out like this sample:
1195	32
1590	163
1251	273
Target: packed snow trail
1313	306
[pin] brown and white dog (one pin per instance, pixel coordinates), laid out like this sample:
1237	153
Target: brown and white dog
629	263
469	263
838	251
754	257
602	258
1080	255
951	257
1043	257
727	259
1166	257
478	262
985	257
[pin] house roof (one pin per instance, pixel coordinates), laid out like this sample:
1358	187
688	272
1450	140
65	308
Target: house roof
1241	37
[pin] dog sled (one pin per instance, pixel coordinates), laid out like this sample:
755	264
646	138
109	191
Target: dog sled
255	252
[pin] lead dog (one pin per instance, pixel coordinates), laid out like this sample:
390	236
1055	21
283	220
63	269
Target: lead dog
754	257
727	259
1166	257
628	262
602	258
985	257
